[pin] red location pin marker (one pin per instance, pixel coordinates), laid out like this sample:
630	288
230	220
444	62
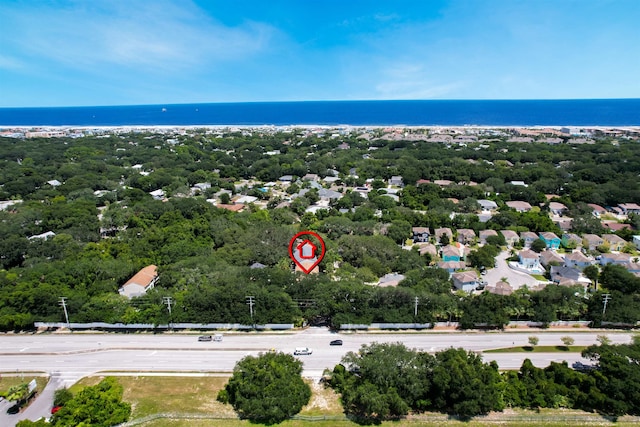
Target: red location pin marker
306	249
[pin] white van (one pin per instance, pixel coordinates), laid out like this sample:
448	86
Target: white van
217	337
302	351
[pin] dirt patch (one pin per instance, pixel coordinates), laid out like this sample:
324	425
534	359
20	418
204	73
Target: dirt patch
324	401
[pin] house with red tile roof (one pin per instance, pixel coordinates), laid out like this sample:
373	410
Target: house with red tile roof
140	283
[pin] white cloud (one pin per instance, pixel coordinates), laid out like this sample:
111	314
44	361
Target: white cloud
154	35
10	63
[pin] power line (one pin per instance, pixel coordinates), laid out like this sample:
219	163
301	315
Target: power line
605	299
250	303
63	303
168	301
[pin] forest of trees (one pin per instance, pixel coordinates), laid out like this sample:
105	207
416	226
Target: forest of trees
204	253
387	381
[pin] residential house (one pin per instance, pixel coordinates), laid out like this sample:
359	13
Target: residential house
511	237
592	241
615	242
233	208
549	257
140	283
200	187
571	240
500	288
311	177
486	233
529	260
552	241
577	259
391	279
157	194
452	266
466	281
557	208
396	180
633	268
452	253
44	236
466	236
636	241
597	210
628	208
615	258
488	205
420	234
567	276
612	226
329	195
244	200
528	237
439	232
519	206
427	248
564	224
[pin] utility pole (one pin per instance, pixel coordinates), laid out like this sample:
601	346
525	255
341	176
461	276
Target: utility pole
251	303
168	301
415	308
605	299
63	303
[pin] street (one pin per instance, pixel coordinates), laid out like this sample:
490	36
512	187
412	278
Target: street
69	357
515	278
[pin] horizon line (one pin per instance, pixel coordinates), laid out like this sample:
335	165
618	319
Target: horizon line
323	101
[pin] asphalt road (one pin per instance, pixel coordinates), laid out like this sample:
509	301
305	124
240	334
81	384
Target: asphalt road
69	357
516	279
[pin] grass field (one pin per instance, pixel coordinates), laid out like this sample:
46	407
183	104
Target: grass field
192	403
7	381
539	349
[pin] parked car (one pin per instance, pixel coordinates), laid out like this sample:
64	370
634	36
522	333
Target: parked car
55	409
205	338
336	342
302	351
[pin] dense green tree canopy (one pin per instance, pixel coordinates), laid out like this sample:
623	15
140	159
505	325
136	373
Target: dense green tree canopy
267	388
100	406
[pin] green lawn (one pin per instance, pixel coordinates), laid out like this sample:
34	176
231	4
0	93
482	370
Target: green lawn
7	381
539	349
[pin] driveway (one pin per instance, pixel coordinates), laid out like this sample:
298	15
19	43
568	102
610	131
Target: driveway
515	278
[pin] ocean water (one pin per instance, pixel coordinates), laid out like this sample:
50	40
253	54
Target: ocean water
591	112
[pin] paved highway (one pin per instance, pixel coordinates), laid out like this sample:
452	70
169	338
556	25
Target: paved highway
69	357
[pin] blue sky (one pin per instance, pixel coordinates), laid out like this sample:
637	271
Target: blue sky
120	52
